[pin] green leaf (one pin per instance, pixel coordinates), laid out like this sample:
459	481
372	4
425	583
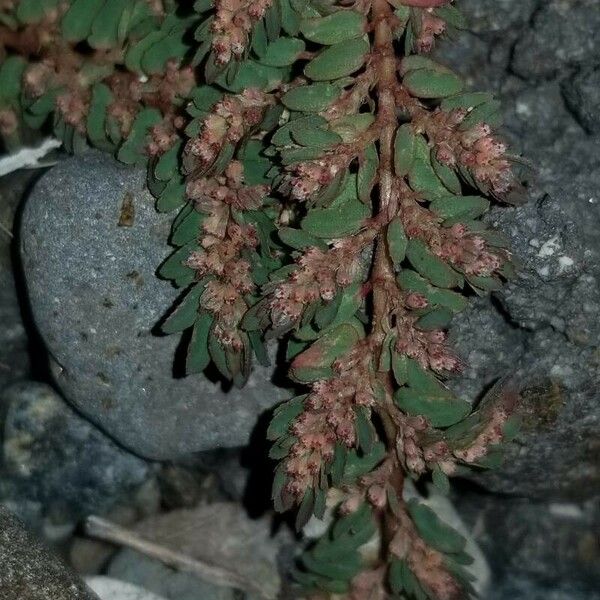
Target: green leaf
168	163
133	57
423	179
335	28
11	73
281	448
299	239
365	432
273	22
350	127
397	241
310	98
404	150
430	266
434	531
452	16
282	52
425	83
172	196
468	101
96	119
447	176
350	301
400	368
186	312
442	409
316	137
367	173
357	465
188	229
460	208
33	11
105	27
305	510
338	60
283	136
489	113
336	570
132	149
440	480
487	284
290	20
315	362
344	217
411	281
283	417
76	24
217	354
174	269
438	318
197	354
171	46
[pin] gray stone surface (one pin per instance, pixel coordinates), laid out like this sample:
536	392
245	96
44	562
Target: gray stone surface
582	98
56	466
546	547
96	299
540	531
14	359
28	571
133	567
545	325
561	36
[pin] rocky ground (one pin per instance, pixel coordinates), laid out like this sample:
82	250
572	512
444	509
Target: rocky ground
78	299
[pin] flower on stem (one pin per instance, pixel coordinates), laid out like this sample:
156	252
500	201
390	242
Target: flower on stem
319	274
329	418
475	149
234	20
229	121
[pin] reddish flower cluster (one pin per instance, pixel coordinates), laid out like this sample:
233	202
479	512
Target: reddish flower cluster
456	245
307	178
431	27
229	121
467	251
159	91
216	196
233	24
224	243
428	567
426	564
8	122
320	274
493	433
329	418
475	149
223	295
419	458
428	348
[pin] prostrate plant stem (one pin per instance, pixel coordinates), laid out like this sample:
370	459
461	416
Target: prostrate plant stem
329	180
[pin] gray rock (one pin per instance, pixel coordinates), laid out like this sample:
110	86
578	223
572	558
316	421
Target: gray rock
582	98
561	37
28	571
14	359
545	325
113	589
485	17
96	299
56	461
133	567
546	545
